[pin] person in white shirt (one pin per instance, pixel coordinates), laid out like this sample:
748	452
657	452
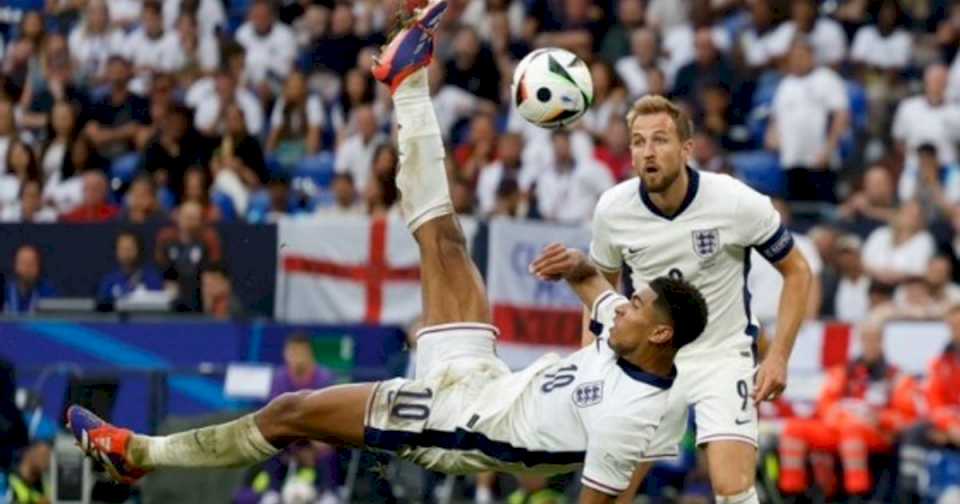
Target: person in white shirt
928	118
509	165
355	154
30	208
208	117
766	283
147	47
22	166
826	35
884	45
271	45
296	122
935	186
901	249
758	41
192	49
851	300
568	189
210	14
63	126
93	40
810	115
673	220
124	14
453	103
645	52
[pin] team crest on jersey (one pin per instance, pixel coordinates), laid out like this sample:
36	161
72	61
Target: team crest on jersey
706	242
588	394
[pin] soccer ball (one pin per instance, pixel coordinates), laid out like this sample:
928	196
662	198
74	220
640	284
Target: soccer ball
552	88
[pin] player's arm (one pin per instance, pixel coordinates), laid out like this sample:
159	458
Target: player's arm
586	336
558	262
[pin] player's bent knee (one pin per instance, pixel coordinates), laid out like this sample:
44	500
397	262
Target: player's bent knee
733	485
282	418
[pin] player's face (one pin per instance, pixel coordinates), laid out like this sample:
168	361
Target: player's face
657	151
638	322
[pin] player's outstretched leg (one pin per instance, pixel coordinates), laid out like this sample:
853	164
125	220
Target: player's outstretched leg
334	415
452	287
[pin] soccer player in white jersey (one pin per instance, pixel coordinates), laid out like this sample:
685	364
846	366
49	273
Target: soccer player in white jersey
698	226
464	411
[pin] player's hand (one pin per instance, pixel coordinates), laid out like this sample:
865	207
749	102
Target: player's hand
555	262
771	379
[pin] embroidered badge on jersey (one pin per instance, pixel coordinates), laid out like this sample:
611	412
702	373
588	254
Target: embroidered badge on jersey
706	242
588	394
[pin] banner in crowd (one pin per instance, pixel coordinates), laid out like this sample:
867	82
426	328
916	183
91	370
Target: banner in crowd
348	269
527	310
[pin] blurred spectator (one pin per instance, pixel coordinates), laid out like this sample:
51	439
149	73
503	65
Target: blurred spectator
679	42
300	370
850	292
613	150
861	408
944	293
461	196
8	131
666	14
336	50
65	191
95	206
479	150
706	155
942	428
53	81
472	66
142	206
715	112
148	47
131	273
279	202
609	99
568	189
63	129
708	66
935	186
451	103
901	249
270	45
757	41
873	206
22	166
510	201
616	43
27	285
345	201
93	40
826	36
27	481
30	207
884	45
357	89
355	154
211	105
381	196
645	53
192	50
185	249
219	301
116	118
125	13
175	147
238	165
296	122
508	166
209	13
196	189
766	283
810	114
924	119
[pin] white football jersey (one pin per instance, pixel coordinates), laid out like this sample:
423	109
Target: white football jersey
591	408
706	242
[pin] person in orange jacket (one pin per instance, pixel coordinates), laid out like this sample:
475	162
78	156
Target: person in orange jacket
861	408
942	426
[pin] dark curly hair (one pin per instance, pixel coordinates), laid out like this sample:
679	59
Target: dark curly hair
684	305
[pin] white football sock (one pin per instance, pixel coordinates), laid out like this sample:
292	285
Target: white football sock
748	497
422	174
233	444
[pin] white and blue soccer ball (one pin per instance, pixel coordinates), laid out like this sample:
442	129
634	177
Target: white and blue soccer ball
552	88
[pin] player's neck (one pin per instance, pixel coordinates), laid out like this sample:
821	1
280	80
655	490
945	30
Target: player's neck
652	359
669	201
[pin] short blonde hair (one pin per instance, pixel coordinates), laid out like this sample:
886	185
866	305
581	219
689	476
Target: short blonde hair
656	104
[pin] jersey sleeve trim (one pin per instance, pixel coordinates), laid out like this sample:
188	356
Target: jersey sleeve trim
777	246
600	487
598	303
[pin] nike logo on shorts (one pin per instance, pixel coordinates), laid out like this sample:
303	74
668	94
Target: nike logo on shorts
742	422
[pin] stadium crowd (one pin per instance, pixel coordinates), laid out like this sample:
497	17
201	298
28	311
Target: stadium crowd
194	112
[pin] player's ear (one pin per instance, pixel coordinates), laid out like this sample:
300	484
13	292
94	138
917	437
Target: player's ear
661	334
687	148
